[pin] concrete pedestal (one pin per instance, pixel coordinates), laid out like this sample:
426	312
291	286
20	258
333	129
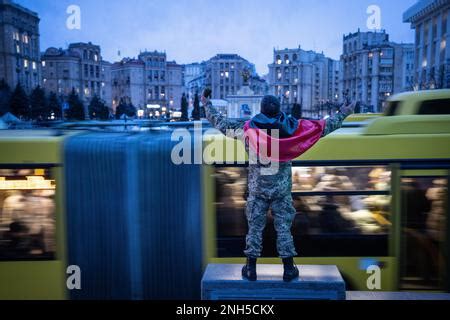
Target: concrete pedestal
225	282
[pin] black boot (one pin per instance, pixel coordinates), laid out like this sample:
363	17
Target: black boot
290	270
249	270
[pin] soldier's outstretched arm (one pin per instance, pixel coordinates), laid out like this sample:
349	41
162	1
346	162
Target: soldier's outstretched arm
335	122
230	127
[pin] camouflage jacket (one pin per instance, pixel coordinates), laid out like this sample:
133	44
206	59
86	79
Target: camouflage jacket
264	181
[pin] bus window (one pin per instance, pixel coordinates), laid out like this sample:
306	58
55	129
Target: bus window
424	209
392	107
341	211
27	215
439	106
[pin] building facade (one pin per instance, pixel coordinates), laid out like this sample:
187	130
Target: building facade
80	68
192	73
155	80
223	74
258	85
196	85
431	21
175	85
19	46
374	68
150	83
405	57
304	77
127	83
163	80
106	87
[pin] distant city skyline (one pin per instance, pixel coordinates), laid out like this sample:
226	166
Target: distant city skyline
195	30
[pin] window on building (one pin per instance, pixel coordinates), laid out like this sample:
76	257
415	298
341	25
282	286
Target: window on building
426	29
434	29
286	74
419	27
444	23
278	59
424	56
286	59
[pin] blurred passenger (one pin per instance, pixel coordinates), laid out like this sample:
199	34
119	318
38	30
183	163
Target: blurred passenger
418	205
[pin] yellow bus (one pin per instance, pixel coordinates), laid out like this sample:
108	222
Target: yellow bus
371	194
374	194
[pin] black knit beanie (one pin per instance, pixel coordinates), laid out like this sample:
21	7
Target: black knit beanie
270	106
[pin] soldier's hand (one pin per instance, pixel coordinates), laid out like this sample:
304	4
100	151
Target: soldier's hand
206	95
348	109
204	100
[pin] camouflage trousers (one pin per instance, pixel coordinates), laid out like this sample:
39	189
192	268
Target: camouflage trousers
283	213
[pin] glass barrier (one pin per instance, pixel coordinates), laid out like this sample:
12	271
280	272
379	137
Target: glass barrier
27	214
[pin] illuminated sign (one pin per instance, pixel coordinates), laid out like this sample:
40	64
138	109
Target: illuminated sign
31	183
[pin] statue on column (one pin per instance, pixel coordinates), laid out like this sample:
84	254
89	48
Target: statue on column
246	75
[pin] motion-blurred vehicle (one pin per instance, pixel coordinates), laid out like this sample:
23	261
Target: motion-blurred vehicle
141	227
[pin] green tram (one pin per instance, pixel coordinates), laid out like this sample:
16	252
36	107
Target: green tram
372	194
376	194
32	189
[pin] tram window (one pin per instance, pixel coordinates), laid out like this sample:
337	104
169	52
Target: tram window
392	108
424	209
326	225
361	178
27	215
439	106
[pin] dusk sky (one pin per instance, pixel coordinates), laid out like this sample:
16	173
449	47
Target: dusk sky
196	30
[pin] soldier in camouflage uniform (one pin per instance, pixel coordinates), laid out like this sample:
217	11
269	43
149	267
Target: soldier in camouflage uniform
268	190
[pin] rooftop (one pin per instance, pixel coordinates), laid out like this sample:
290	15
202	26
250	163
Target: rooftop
423	8
83	44
152	53
359	32
128	62
18	7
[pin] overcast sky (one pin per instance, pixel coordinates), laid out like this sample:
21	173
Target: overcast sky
196	30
